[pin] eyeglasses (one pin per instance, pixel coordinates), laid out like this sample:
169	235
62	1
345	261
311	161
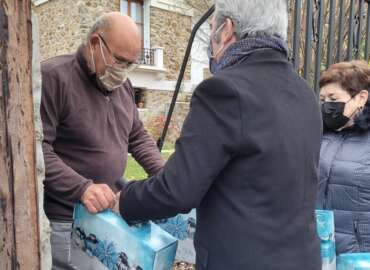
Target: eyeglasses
118	60
212	36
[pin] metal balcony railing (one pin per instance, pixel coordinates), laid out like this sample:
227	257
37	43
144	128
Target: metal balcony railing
147	57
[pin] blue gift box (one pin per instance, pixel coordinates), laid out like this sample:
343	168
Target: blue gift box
105	241
182	227
325	231
354	261
325	225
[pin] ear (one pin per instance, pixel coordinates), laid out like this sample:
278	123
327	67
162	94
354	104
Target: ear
229	31
94	40
363	95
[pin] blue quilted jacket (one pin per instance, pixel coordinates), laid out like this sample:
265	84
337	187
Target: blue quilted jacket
344	185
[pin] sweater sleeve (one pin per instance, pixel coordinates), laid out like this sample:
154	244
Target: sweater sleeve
61	181
208	141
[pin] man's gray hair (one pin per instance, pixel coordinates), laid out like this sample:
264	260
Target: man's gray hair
100	26
268	17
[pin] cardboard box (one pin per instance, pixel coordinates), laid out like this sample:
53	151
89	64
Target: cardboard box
105	241
354	261
182	227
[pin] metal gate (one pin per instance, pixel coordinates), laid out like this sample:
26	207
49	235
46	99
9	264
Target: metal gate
328	31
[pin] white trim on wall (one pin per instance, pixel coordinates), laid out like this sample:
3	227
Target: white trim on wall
146	23
39	2
150	78
178	6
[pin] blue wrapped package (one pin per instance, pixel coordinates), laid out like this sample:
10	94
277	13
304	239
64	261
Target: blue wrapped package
106	242
182	227
354	261
325	231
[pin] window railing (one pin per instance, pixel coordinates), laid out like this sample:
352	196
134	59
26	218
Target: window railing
147	57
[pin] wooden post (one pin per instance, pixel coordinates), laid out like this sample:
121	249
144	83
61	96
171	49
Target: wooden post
19	235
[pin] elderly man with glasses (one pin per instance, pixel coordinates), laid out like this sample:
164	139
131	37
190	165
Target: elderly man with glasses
90	123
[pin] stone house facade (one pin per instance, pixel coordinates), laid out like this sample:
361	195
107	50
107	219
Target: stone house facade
165	27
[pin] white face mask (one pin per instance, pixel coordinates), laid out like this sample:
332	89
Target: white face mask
114	76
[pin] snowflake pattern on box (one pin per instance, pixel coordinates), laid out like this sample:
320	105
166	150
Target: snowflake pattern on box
176	226
182	227
107	254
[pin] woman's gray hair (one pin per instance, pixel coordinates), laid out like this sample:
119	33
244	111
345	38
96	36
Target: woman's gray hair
268	17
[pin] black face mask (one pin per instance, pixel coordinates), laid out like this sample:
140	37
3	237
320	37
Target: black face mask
332	115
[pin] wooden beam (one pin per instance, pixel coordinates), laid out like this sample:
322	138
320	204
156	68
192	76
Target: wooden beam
19	241
7	228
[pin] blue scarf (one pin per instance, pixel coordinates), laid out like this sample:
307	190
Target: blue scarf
244	47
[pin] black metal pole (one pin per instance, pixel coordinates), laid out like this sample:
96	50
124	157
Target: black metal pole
367	46
319	44
204	18
330	57
308	49
359	30
297	33
350	31
341	30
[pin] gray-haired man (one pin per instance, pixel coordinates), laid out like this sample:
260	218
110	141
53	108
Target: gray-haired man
248	153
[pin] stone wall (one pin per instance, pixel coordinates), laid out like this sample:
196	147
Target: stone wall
59	24
65	23
40	168
170	31
90	10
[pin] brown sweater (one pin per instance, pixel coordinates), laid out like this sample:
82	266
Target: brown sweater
87	134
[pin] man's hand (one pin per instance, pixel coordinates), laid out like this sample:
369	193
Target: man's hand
98	197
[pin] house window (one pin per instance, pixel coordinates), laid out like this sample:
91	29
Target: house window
139	97
134	9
